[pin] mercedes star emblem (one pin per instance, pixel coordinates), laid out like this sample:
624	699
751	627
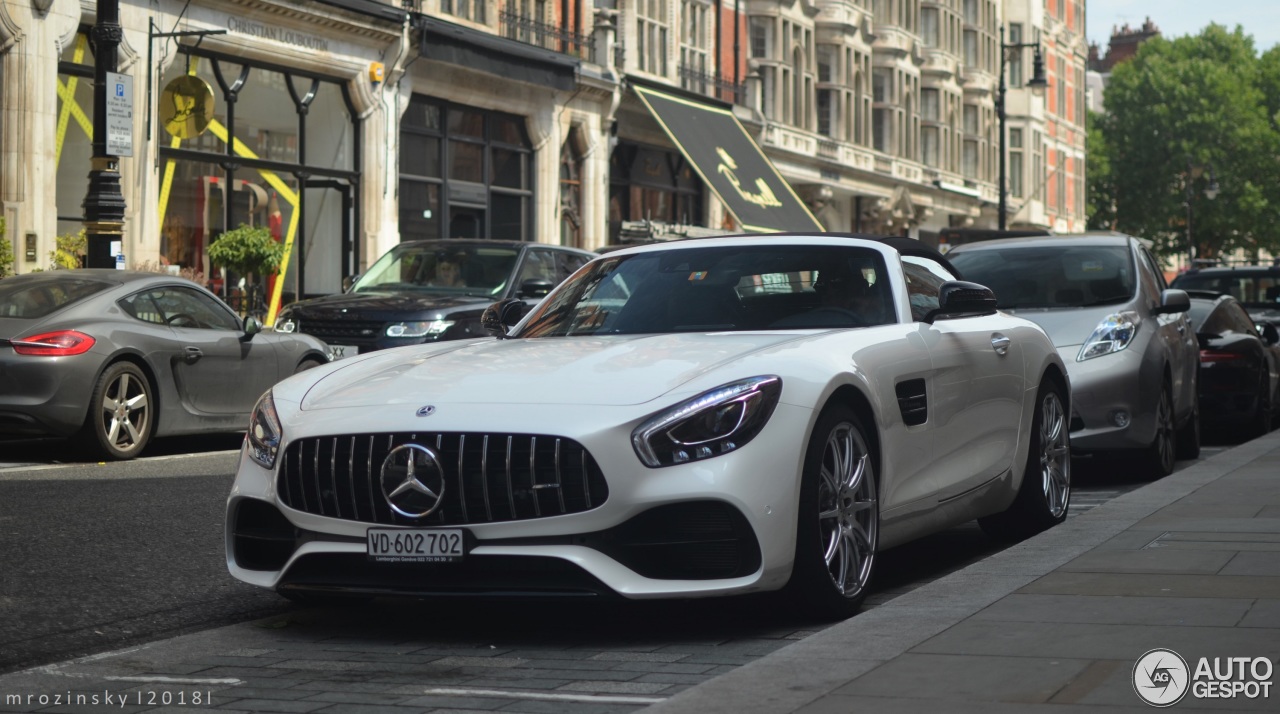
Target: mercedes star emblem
427	410
412	480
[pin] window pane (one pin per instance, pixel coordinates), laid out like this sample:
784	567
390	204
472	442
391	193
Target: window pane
419	155
421	115
507	217
466	161
419	210
463	122
509	168
329	133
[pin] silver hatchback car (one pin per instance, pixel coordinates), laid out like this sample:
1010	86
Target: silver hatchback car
1125	337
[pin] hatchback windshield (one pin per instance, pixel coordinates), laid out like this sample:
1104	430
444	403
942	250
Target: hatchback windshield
720	288
1051	276
32	300
477	270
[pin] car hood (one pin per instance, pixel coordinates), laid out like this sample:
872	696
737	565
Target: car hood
1068	327
611	370
380	305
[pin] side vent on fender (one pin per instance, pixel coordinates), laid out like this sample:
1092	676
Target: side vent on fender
912	402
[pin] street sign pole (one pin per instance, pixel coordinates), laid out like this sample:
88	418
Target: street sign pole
104	204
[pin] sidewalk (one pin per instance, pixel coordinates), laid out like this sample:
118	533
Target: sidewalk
1190	563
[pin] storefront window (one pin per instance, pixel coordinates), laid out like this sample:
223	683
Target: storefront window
652	184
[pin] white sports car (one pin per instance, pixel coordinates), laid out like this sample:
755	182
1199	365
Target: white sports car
690	419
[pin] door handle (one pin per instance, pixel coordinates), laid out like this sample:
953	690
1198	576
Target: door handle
1000	344
191	355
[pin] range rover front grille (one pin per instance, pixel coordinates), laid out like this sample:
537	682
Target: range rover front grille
488	477
343	332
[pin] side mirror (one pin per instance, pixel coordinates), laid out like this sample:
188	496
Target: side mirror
501	315
535	288
251	327
349	282
1173	301
1270	335
960	298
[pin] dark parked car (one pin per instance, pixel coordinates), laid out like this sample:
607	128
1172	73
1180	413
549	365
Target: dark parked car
1239	365
432	290
1256	287
113	357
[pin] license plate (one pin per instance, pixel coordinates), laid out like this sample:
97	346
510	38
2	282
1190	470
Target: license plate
337	352
415	545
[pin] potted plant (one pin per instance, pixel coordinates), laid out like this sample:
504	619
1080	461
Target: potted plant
247	251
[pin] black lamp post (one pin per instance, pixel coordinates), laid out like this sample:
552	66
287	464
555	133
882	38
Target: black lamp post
1037	83
1211	191
104	203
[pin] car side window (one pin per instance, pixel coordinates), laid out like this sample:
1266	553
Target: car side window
924	282
568	263
178	307
538	265
1157	274
1240	320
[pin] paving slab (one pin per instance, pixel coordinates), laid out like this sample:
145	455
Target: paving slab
1118	610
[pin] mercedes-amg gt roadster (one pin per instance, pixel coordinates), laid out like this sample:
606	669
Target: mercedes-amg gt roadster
689	419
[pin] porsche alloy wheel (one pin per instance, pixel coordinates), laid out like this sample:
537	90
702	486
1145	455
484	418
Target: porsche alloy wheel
119	422
839	518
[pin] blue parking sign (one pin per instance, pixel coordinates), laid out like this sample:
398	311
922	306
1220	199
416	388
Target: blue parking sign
119	89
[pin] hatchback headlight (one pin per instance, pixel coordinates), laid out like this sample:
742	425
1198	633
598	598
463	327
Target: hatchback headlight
713	423
419	329
1114	333
264	435
285	323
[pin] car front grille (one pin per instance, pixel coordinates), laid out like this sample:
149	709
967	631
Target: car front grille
343	332
488	477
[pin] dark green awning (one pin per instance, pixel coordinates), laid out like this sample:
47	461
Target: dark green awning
730	163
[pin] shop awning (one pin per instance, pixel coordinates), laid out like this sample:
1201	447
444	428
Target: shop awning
465	47
730	163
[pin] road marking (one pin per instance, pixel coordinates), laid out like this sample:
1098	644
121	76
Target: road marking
178	680
542	696
105	470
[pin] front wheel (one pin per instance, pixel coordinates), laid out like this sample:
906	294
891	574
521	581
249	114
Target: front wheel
1188	438
1158	460
119	422
1045	493
839	518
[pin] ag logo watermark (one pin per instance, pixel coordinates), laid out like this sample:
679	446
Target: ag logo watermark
1162	678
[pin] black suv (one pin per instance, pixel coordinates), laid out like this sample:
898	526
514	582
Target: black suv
1256	287
425	291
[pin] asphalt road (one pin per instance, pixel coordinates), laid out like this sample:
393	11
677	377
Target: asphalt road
101	556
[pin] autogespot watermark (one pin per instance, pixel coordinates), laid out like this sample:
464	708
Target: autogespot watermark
1162	678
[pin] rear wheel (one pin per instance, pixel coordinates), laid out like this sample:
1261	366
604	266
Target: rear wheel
307	364
1045	493
839	518
1158	460
120	419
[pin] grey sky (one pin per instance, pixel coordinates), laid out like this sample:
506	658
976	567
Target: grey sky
1260	18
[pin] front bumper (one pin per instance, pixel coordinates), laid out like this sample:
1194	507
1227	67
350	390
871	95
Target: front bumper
721	526
1113	400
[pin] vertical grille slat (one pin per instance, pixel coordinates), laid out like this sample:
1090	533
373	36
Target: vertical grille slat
332	476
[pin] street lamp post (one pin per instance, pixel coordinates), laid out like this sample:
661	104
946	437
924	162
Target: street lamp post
1037	83
1210	192
104	204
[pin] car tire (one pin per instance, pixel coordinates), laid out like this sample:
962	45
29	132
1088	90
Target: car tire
1188	438
121	414
1045	493
838	520
307	364
1157	462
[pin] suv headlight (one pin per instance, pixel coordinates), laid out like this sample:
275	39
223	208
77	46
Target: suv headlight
286	323
418	329
713	423
1114	333
263	437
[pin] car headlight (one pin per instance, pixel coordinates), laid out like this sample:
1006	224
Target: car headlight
419	329
713	423
285	323
263	437
1114	333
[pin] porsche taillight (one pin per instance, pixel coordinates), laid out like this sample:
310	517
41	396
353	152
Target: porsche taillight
63	343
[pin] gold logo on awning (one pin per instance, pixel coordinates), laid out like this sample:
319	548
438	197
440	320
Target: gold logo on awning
763	197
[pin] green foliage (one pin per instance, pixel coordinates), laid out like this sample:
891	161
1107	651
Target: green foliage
70	251
6	252
247	250
1176	108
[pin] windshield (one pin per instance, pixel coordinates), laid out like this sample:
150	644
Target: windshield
1253	290
729	288
1051	276
31	300
476	269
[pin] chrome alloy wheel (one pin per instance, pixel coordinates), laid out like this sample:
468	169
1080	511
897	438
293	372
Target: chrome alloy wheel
126	413
1165	431
847	513
1055	455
